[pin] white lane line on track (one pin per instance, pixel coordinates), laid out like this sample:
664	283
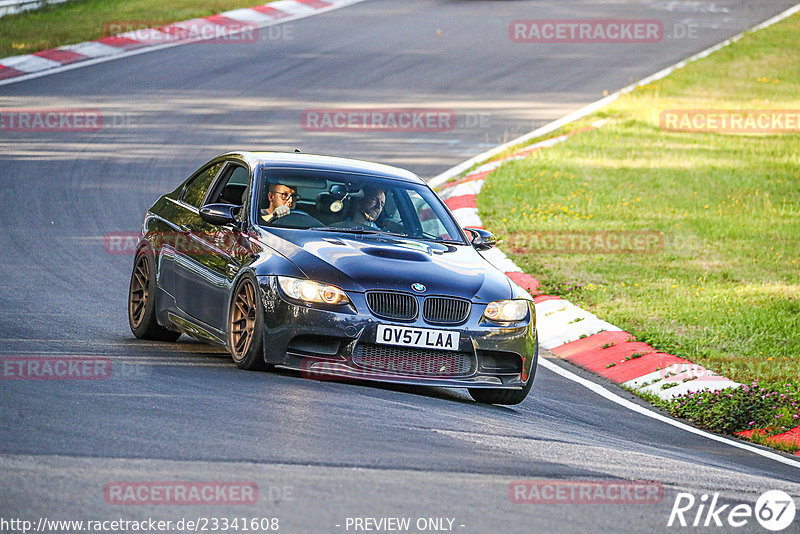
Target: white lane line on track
195	346
625	403
137	395
161	363
436	181
166	358
299	15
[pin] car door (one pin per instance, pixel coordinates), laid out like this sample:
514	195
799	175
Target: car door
208	263
183	211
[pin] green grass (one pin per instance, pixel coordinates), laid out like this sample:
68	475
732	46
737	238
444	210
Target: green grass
85	20
725	290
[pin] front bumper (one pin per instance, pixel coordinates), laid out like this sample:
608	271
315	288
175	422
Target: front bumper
340	344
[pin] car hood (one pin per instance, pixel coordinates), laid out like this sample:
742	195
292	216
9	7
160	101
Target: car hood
356	262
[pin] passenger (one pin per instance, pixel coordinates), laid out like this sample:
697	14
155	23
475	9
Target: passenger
282	199
369	208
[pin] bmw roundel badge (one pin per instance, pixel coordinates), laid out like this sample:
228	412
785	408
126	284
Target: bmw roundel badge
419	288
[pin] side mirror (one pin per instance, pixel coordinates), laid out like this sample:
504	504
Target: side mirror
219	214
481	239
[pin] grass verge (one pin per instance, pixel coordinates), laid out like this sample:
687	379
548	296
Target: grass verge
724	291
86	20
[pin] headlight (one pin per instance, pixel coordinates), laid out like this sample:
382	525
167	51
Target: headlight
506	311
310	291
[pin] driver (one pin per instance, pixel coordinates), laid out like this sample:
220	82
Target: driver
282	199
369	208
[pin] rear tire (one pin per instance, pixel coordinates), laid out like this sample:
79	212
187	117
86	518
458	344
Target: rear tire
246	326
142	301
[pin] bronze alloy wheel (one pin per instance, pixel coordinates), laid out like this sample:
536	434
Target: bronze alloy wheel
139	291
142	301
243	319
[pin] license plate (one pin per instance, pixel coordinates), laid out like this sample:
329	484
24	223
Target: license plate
425	338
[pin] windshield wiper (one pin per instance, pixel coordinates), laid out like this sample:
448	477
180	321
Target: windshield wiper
347	230
439	239
376	231
358	230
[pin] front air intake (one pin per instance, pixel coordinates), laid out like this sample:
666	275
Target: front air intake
411	361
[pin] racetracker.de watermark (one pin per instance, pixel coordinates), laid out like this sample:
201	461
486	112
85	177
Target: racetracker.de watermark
55	368
585	492
586	31
740	121
181	493
443	367
399	367
378	119
61	120
217	30
587	242
189	243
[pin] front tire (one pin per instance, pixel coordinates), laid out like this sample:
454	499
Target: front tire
501	396
142	301
506	396
246	326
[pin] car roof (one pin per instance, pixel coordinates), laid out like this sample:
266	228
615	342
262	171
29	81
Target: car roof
298	160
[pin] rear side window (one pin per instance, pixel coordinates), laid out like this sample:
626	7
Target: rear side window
195	192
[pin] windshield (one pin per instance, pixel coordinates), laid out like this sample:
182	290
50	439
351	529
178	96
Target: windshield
352	203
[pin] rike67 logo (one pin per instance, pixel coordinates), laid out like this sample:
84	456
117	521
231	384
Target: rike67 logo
774	510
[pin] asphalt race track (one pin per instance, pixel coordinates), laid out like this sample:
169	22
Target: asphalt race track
319	452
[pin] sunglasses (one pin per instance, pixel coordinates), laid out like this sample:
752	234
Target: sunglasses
286	196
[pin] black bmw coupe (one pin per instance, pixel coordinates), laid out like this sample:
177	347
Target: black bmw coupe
362	274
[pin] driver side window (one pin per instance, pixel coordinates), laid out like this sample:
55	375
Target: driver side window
231	188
